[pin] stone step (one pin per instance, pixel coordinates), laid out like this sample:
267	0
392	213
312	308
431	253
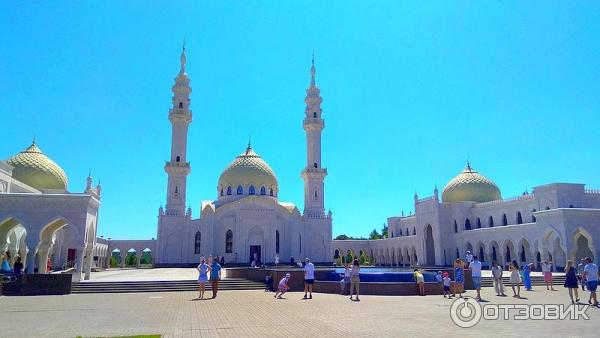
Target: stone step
160	286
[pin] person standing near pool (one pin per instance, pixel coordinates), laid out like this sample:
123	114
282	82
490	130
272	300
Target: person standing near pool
459	278
515	279
527	276
355	279
309	278
590	273
215	277
203	271
547	271
497	277
571	282
345	279
476	276
420	280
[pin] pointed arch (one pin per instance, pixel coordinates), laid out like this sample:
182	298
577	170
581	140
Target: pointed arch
277	241
240	190
519	218
229	191
251	190
197	242
504	220
263	191
478	223
467	224
229	241
491	221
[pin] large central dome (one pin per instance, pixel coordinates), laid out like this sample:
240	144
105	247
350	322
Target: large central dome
248	174
34	168
469	185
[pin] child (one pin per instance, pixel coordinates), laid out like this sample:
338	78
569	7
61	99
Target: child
283	286
446	281
439	277
268	283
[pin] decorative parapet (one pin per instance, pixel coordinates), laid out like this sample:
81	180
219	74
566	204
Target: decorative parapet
506	200
592	191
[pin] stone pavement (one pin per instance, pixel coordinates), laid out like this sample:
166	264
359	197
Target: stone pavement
256	313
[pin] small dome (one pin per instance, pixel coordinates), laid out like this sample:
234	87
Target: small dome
34	168
248	170
469	185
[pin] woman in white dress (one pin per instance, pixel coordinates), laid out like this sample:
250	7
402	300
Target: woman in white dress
515	279
203	272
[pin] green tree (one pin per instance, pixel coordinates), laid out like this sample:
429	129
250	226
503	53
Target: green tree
374	234
384	231
342	237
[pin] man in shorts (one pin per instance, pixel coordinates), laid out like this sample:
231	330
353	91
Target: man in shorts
476	276
215	277
590	273
309	278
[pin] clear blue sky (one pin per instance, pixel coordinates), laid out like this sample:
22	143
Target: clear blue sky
410	89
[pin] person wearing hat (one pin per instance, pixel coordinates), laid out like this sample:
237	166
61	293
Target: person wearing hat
283	286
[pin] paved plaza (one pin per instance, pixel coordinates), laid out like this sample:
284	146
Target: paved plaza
257	313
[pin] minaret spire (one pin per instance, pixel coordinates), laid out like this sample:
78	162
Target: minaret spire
182	59
312	70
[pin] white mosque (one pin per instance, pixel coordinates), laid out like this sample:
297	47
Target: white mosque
40	220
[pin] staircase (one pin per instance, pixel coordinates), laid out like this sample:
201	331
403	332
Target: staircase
162	286
535	280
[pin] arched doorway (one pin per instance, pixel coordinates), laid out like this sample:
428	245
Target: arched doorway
429	246
583	246
256	245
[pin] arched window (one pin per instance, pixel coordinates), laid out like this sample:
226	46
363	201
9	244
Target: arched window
414	231
455	227
519	218
508	254
276	241
407	233
315	114
180	104
251	190
315	165
467	224
523	258
478	223
229	241
481	258
457	253
221	191
491	222
533	216
177	159
538	257
494	254
271	192
197	240
504	220
263	191
240	190
228	191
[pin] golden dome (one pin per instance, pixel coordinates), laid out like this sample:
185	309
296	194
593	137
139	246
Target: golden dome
248	170
34	168
469	185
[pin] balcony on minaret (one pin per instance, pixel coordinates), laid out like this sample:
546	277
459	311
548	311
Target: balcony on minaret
313	123
314	173
180	115
173	167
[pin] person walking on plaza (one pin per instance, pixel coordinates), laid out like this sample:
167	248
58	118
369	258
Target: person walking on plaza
527	276
459	279
590	273
283	286
222	262
276	260
420	280
446	281
476	276
5	264
497	278
309	278
468	259
18	267
547	272
355	279
580	267
203	271
215	277
515	279
571	282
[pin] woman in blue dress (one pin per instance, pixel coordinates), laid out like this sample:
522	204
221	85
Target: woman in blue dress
527	276
459	278
5	267
571	282
203	271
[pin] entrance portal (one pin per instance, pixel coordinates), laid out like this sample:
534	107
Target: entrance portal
255	254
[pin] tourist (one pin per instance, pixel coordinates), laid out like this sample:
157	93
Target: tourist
203	271
215	277
580	267
276	260
571	281
222	261
468	259
590	273
547	272
446	281
497	278
292	261
420	282
476	276
309	278
355	279
515	279
268	283
459	278
345	279
5	266
283	286
527	276
18	267
439	277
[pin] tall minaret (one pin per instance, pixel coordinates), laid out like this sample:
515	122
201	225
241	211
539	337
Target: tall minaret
178	167
314	173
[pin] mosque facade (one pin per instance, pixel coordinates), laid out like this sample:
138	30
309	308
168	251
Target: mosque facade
46	225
